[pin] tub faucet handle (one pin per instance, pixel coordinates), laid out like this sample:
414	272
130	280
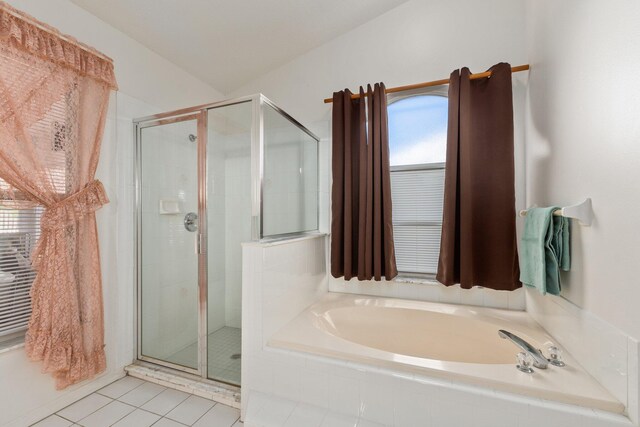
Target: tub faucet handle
524	362
555	356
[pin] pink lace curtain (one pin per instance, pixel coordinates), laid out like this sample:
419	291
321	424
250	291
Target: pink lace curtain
54	95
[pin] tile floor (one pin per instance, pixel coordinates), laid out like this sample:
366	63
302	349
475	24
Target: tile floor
223	345
131	402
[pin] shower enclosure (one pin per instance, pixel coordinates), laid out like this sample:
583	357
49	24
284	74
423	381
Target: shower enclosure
209	178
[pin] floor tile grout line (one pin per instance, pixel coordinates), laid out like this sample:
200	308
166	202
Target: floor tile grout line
135	407
116	398
138	408
180	403
146	401
51	415
206	412
112	400
76	422
165	418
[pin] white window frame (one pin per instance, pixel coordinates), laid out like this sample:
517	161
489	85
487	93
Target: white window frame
406	276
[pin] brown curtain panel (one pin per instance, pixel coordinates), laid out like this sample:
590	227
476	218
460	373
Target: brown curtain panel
478	244
361	228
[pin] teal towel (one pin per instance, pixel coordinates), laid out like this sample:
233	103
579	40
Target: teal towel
544	250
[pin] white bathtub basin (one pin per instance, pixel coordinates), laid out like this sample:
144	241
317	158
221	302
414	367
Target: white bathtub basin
428	334
455	342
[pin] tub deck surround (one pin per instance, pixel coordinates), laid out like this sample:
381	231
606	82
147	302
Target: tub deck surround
453	342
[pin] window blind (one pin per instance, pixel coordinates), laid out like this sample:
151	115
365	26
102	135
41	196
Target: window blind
418	197
19	233
19	220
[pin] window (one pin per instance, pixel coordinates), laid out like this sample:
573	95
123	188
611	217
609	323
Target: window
20	221
417	151
19	232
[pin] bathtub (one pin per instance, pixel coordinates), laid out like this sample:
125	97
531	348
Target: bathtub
455	342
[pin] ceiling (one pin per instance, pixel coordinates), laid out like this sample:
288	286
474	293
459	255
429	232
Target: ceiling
227	43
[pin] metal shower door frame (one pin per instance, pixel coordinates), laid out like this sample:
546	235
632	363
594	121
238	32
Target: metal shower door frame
200	118
200	113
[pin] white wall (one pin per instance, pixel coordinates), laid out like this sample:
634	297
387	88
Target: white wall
148	84
583	140
415	42
141	73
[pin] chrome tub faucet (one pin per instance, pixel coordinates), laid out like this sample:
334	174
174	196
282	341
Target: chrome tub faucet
539	361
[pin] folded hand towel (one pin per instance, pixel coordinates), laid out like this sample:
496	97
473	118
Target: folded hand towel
544	250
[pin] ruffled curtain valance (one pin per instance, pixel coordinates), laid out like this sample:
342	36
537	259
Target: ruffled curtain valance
37	38
54	94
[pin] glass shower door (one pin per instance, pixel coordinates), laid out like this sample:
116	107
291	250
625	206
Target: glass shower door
168	268
208	179
229	145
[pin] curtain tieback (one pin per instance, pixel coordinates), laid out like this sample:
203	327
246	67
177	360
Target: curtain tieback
66	212
71	209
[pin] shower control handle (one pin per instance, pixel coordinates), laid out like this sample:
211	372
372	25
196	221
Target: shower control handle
191	221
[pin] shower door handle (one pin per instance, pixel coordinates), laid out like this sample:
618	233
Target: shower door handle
201	244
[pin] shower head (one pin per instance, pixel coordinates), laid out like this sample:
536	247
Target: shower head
192	137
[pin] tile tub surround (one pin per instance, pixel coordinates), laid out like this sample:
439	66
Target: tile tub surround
283	279
133	402
608	354
430	290
340	326
290	383
280	280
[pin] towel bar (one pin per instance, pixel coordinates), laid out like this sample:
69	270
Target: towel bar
583	212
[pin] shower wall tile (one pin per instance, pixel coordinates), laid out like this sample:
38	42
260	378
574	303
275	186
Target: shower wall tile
169	259
237	204
217	231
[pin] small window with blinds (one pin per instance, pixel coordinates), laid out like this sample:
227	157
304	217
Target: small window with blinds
19	233
417	151
20	219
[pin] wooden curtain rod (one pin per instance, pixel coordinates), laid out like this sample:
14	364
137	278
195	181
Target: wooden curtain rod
435	83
